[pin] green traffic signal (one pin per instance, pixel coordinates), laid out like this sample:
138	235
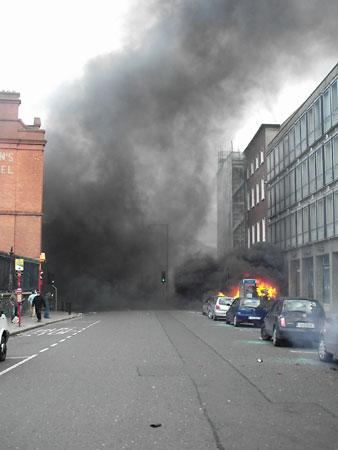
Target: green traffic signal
163	277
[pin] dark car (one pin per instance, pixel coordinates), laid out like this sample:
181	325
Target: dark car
328	344
246	310
294	319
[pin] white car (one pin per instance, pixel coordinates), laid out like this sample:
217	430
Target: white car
4	333
219	307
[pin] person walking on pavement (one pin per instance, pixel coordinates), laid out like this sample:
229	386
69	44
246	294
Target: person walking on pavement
48	299
30	299
14	304
38	302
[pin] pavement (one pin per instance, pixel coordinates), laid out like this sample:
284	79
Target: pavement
29	323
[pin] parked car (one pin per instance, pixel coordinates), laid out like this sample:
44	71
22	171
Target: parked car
219	306
205	306
246	310
293	319
4	333
328	344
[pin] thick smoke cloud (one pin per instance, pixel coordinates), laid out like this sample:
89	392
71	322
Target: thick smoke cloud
133	143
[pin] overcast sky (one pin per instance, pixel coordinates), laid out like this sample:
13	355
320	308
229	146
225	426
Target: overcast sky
46	43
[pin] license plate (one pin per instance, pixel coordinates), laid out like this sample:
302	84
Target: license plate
305	325
254	318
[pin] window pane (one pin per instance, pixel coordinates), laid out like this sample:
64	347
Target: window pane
335	157
335	102
329	215
306	225
313	223
312	172
292	144
327	110
318	119
336	212
292	188
282	234
319	168
303	143
281	195
276	155
328	163
320	218
298	183
311	125
299	227
288	232
305	178
297	138
287	190
293	229
286	151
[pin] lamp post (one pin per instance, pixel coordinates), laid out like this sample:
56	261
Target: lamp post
164	273
42	259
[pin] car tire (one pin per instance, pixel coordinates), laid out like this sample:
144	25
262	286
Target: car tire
3	349
323	354
227	320
209	315
264	334
275	338
214	317
236	324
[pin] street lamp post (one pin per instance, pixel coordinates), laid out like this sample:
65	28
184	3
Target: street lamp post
166	277
42	259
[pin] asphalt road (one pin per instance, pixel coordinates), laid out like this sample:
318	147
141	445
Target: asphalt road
104	381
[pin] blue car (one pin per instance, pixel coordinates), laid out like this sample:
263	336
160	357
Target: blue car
246	310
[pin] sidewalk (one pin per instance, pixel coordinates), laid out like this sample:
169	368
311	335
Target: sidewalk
29	323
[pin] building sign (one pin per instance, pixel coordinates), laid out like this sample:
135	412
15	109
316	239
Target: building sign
6	166
19	264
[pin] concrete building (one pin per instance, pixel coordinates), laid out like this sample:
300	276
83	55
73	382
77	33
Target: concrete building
302	175
230	202
21	178
256	203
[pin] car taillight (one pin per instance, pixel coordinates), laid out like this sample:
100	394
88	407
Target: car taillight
282	322
217	307
324	328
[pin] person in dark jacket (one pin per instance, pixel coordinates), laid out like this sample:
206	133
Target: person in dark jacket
38	302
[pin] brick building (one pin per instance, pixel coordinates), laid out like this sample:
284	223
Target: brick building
21	180
256	203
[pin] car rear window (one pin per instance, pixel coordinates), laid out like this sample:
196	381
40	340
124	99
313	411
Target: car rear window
224	302
251	302
306	306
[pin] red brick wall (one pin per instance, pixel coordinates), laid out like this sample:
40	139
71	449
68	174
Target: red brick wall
21	180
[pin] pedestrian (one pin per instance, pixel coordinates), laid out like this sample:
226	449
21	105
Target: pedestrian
14	304
48	300
30	299
38	303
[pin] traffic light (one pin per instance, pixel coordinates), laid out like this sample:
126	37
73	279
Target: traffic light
51	278
163	277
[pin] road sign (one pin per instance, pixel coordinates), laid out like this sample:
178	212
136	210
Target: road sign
19	265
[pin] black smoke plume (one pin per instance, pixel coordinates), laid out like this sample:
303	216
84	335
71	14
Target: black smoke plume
132	145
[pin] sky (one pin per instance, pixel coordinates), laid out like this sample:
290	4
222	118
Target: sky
136	102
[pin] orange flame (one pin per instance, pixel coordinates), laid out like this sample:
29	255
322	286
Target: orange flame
264	288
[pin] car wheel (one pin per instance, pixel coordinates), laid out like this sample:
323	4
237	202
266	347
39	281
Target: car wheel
275	338
227	320
236	324
214	317
3	349
264	334
323	354
209	315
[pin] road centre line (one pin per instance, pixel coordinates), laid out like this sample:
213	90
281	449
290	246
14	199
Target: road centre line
53	345
62	340
16	365
44	349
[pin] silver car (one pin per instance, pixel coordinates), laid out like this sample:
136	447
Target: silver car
219	306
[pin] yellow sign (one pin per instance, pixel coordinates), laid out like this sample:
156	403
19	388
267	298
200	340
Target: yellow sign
19	263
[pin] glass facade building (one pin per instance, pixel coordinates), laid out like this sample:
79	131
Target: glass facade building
302	177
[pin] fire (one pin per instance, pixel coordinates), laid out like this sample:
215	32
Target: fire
220	294
264	288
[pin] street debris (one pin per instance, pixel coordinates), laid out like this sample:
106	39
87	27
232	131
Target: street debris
259	360
333	368
155	425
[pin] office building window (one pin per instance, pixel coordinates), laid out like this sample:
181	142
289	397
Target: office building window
247	173
298	183
335	102
303	133
253	234
257	193
328	162
272	164
326	278
252	197
335	156
252	168
305	178
258	232
262	156
262	189
311	125
292	145
320	219
336	212
292	187
276	157
312	173
273	200
327	110
281	195
249	238
306	236
329	216
318	119
300	227
313	223
282	234
287	191
286	151
319	168
257	162
248	200
263	230
281	156
287	232
277	198
297	138
293	230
